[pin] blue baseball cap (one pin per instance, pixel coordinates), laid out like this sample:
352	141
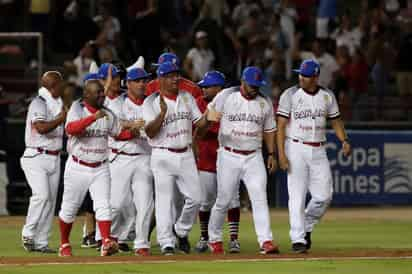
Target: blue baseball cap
166	68
212	78
167	57
91	76
253	76
137	73
104	71
308	68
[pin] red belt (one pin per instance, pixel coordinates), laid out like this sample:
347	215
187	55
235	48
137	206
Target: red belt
313	144
50	152
116	151
243	152
93	165
175	150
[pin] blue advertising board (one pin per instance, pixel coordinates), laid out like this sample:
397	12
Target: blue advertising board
379	171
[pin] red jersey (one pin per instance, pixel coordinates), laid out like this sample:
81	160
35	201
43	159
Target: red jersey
207	147
184	84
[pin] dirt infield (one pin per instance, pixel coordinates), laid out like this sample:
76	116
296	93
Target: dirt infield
199	258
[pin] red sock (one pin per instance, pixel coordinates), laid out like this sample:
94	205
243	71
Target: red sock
104	227
233	217
65	229
204	217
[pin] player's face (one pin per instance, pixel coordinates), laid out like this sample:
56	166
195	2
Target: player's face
171	82
210	92
137	87
250	91
308	83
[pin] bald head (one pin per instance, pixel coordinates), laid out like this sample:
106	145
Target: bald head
51	80
93	93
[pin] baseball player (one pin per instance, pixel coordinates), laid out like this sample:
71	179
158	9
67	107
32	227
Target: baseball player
247	119
88	126
302	115
41	161
169	115
130	166
184	84
207	146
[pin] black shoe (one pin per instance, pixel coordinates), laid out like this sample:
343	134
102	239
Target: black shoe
308	240
299	248
168	251
45	250
98	245
123	247
28	244
182	243
89	241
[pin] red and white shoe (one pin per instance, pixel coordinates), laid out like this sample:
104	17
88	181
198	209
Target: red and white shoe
109	247
65	250
269	248
216	248
142	252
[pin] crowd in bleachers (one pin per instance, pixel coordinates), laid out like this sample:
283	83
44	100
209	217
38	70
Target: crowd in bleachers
363	47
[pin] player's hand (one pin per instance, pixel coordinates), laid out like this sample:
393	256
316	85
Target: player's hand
283	162
212	115
100	114
163	105
137	124
272	164
346	148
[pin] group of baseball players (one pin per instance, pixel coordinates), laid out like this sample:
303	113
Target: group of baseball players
169	150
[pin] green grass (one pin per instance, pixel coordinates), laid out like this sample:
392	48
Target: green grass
341	232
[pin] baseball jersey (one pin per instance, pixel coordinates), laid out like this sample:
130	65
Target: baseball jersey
207	146
184	85
244	120
116	106
44	108
307	113
92	145
133	110
176	130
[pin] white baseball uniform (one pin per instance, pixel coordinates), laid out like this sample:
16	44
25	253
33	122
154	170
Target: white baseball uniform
309	167
87	165
132	176
173	163
240	158
41	165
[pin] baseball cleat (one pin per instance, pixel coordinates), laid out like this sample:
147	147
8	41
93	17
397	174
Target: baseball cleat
124	247
216	248
142	252
168	251
183	243
299	248
308	240
45	250
28	244
109	247
89	242
201	246
234	246
65	250
269	248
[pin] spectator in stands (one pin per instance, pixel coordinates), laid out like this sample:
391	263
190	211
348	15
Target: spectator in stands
342	77
242	10
288	16
83	61
344	35
358	76
200	58
404	62
327	12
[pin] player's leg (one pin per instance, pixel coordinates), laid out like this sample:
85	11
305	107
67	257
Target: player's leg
144	203
256	180
76	183
189	185
233	218
100	193
45	224
89	225
121	172
36	172
208	182
297	189
128	217
320	188
228	178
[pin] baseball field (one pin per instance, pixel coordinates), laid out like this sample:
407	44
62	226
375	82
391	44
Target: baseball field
351	240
